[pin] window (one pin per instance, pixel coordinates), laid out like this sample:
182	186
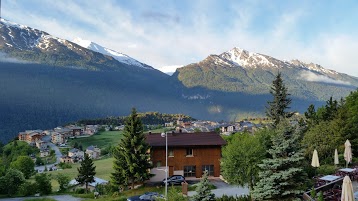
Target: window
171	153
189	152
209	168
189	171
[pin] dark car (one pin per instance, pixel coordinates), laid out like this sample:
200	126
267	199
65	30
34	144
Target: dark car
175	180
149	196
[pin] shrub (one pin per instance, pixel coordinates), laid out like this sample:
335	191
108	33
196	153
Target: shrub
80	191
236	198
65	165
326	169
27	189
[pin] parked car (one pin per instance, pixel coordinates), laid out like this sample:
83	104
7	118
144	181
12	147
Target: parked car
175	180
149	196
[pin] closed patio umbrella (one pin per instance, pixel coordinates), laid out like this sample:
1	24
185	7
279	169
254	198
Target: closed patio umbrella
315	161
347	152
347	190
336	160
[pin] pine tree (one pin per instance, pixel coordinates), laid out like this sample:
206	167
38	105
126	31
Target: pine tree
311	116
276	109
282	176
86	172
203	193
131	156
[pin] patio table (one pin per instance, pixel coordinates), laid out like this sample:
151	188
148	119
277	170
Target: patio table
329	178
348	170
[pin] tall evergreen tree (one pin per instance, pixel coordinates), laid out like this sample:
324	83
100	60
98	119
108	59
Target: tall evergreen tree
203	192
86	172
276	109
131	164
311	115
282	176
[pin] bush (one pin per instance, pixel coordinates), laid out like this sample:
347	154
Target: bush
326	169
232	198
63	181
80	191
65	165
27	189
43	182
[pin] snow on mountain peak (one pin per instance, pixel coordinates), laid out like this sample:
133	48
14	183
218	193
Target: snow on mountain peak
312	67
123	58
246	59
81	42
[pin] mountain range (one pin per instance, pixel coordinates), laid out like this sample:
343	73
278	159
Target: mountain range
47	81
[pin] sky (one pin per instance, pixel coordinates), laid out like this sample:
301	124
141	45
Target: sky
169	33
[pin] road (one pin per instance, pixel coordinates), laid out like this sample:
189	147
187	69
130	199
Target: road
57	153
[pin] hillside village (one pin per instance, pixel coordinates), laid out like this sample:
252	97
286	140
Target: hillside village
59	136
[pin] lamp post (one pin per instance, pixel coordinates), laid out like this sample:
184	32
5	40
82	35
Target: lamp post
166	164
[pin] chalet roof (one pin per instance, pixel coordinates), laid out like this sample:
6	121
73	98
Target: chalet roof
186	139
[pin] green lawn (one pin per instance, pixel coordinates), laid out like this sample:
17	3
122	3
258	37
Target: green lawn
102	139
103	171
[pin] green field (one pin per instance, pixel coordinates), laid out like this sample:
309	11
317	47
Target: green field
101	140
103	170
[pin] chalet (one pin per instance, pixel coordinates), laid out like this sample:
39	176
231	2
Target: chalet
65	159
57	138
169	124
93	152
44	153
30	136
76	153
41	144
75	130
228	129
189	154
66	132
91	129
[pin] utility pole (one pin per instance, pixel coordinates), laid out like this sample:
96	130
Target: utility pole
0	9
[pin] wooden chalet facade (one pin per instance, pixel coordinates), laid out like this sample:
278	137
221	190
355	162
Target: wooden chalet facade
189	154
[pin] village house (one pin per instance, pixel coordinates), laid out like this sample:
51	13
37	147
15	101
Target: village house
76	153
41	144
66	132
91	129
228	129
169	124
66	159
44	153
58	138
189	154
30	136
75	130
93	152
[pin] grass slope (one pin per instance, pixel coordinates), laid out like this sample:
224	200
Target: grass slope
101	139
103	170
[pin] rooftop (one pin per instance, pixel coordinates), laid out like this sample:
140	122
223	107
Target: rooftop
186	139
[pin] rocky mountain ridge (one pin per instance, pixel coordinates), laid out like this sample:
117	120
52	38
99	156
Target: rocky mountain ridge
25	44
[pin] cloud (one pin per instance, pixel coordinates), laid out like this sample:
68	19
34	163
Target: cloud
169	69
160	17
312	77
5	58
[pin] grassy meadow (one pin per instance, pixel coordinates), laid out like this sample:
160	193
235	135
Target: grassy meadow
101	139
103	170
